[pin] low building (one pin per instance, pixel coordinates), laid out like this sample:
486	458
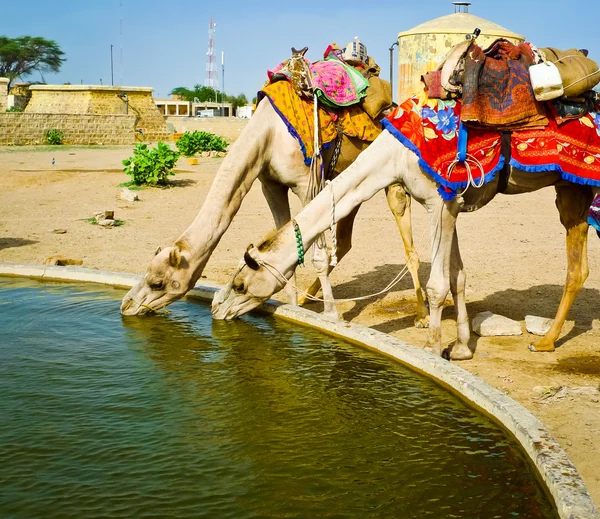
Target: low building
176	107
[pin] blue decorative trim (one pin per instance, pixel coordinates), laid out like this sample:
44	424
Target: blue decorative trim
294	133
536	169
454	186
565	175
578	180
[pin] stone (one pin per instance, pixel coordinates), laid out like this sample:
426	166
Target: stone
128	195
488	324
537	325
62	261
104	215
221	153
59	231
205	154
106	222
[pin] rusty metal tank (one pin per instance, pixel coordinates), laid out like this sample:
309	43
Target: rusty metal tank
422	48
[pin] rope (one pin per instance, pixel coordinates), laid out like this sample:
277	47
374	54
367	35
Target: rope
470	178
579	80
333	228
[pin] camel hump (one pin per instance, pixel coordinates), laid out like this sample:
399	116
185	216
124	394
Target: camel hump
302	52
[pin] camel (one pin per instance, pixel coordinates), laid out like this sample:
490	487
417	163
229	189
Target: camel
265	150
266	268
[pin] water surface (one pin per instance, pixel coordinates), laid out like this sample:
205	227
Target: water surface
179	416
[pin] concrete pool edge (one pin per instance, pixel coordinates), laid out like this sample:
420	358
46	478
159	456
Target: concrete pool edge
556	469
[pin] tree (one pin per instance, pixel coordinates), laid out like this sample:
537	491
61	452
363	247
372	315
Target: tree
202	93
27	54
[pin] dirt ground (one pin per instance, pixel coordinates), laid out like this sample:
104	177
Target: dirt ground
513	250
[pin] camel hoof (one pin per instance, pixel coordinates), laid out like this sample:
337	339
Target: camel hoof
461	352
332	314
540	347
422	322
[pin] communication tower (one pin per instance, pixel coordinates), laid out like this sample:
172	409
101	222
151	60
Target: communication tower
211	62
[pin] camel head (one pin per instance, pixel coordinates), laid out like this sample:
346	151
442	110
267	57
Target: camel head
168	278
255	280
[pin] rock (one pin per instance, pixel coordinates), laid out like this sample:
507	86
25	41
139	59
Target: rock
127	194
106	222
488	324
205	154
59	231
221	153
537	325
62	261
104	215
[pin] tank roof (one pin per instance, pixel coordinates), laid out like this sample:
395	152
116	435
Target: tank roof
461	23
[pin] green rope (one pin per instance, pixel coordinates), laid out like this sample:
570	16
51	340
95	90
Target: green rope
299	244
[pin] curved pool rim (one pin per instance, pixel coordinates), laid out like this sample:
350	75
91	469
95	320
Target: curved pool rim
557	471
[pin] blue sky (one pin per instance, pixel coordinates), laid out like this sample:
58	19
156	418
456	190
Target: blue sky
164	44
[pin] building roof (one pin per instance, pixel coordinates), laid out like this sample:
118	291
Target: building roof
461	23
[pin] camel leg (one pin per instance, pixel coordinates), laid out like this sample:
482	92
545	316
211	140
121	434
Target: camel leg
320	261
344	244
276	196
573	202
442	219
399	202
458	280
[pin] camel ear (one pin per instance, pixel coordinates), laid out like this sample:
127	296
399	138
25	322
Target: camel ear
158	250
175	257
302	52
250	261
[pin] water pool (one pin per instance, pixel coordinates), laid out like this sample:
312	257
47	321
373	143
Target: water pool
179	416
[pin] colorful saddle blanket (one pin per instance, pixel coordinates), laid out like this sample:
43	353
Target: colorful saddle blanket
336	83
298	115
430	129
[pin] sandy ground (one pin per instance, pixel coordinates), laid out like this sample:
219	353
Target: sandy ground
513	251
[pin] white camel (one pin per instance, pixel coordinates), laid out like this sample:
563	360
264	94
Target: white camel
266	268
265	150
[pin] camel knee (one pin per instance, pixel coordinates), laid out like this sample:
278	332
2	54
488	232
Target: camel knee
436	293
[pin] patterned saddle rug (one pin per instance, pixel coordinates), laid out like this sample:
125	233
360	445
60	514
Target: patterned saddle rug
429	128
298	115
336	83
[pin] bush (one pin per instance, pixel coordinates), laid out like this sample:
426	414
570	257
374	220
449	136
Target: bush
191	143
54	136
150	165
14	108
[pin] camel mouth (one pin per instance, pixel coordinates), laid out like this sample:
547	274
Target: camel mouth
227	310
130	307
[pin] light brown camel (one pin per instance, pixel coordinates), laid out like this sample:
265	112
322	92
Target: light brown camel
266	268
265	150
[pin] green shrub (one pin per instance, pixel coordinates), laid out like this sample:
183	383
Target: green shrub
191	143
14	108
54	136
150	165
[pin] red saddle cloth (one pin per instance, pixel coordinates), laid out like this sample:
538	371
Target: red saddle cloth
430	129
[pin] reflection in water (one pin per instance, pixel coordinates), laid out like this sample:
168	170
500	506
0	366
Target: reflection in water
180	416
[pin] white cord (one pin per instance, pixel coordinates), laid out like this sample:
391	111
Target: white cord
333	227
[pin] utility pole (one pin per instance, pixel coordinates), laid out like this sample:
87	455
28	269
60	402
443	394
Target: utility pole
222	82
392	67
112	77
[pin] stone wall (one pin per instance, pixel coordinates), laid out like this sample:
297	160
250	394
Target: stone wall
107	100
3	94
30	128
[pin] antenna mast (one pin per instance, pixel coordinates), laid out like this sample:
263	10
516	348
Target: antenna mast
211	62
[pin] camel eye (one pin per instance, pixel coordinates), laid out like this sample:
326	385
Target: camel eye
240	288
158	285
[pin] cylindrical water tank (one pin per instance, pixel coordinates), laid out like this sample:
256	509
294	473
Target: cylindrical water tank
423	48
